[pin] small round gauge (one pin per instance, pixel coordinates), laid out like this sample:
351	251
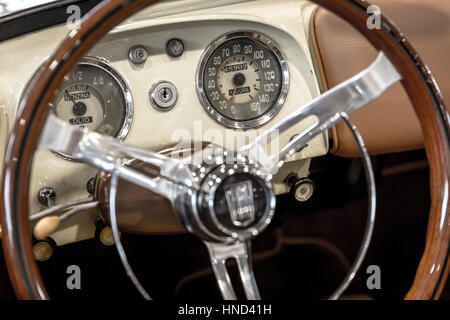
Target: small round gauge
94	96
243	80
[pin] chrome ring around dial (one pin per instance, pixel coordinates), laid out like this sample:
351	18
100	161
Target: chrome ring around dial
242	80
94	95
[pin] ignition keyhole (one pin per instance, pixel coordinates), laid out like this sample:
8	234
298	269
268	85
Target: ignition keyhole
163	96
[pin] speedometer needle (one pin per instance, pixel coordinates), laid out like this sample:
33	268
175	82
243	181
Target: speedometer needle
234	93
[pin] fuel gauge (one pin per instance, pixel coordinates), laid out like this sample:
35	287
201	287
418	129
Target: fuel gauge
95	96
81	105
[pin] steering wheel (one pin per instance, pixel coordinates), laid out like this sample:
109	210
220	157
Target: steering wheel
224	202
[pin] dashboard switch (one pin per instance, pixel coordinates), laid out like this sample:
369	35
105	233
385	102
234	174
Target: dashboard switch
302	189
43	249
47	196
103	233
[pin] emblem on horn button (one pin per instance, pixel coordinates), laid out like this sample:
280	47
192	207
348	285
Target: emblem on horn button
239	197
236	202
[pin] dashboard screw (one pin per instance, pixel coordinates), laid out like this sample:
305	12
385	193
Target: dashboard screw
137	54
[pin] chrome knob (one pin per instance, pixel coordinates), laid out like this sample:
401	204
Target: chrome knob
302	189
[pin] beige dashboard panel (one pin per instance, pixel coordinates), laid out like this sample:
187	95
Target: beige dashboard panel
285	22
389	124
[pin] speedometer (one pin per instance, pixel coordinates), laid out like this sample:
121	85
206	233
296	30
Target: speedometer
243	80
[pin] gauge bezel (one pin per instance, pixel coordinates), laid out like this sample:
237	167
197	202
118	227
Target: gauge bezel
126	92
262	119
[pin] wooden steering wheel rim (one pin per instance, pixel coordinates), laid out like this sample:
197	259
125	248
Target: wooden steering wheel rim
417	81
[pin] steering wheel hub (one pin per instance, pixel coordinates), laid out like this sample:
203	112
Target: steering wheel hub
236	202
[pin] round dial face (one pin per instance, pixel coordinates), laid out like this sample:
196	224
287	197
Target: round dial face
94	96
244	80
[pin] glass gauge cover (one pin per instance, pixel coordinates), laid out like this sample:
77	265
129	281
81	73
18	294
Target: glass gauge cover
243	80
94	96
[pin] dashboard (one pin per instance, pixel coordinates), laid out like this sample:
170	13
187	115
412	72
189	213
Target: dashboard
222	75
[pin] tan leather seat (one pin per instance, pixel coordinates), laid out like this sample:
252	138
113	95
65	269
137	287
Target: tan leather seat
389	124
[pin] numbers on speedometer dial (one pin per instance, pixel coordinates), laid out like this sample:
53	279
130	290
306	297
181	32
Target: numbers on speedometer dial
243	80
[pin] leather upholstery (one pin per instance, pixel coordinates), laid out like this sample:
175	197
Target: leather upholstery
388	124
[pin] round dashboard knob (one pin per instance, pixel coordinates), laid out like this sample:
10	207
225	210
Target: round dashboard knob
302	189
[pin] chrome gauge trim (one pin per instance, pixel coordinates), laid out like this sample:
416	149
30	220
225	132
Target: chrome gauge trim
260	120
126	92
129	105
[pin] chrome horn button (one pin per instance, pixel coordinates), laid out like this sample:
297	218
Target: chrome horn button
236	202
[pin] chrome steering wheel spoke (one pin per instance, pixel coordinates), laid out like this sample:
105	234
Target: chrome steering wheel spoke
239	251
327	110
168	176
